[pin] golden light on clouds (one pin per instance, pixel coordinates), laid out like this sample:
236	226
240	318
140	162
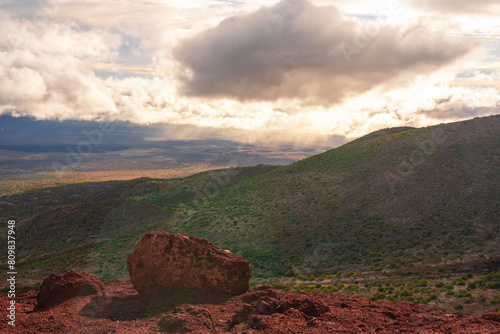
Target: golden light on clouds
290	70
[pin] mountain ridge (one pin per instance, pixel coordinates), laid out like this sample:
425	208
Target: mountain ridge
332	211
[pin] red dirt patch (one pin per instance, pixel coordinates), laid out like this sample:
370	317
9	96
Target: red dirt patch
120	309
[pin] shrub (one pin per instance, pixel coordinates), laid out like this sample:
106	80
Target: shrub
433	296
463	294
429	298
352	288
369	285
302	277
406	293
422	282
326	289
378	296
490	281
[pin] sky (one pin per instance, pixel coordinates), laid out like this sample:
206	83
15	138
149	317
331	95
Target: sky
290	71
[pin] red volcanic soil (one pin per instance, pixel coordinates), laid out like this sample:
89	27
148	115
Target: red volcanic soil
120	309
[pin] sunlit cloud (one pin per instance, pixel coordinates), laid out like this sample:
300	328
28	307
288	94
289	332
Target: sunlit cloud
252	70
478	7
298	50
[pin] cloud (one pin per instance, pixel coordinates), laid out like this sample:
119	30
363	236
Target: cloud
460	111
298	50
273	74
43	69
467	7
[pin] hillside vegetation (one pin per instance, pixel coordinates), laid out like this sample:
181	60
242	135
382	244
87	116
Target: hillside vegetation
389	202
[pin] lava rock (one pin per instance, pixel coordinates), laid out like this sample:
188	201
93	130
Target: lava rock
307	305
163	261
188	319
259	292
242	315
57	288
266	305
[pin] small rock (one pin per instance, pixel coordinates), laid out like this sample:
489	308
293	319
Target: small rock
242	315
313	322
306	305
57	288
390	315
259	292
188	319
255	320
294	313
266	305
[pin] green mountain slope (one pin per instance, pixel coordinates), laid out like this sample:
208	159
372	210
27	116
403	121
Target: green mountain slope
425	195
393	199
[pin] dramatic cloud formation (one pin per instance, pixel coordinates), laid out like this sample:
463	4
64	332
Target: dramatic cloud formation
42	69
288	71
297	50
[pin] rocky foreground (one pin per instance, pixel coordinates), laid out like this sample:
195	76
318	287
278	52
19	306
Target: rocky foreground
183	284
119	308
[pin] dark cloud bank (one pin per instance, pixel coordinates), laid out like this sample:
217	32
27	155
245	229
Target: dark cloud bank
298	50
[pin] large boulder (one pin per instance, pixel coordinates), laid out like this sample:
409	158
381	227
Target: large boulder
57	288
164	261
